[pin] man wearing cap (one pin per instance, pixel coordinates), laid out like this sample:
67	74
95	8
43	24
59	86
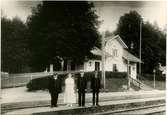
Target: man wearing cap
54	89
81	85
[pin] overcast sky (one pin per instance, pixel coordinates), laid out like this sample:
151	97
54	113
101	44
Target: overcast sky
109	11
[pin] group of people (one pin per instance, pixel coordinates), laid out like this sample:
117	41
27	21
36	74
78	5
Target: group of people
69	92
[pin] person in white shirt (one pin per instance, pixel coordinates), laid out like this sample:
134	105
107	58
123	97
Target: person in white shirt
69	93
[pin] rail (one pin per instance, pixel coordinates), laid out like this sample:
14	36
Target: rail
161	108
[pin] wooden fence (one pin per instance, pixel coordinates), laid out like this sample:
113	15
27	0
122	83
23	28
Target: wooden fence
21	79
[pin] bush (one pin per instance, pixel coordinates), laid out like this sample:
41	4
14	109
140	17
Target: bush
114	80
42	83
38	84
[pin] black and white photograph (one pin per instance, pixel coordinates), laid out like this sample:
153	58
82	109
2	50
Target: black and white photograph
83	57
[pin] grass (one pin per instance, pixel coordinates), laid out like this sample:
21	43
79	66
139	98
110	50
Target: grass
160	82
14	81
161	85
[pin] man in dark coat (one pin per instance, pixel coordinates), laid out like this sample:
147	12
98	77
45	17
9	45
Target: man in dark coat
54	89
81	85
95	86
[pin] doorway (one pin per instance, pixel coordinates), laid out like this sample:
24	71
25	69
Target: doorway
130	71
97	66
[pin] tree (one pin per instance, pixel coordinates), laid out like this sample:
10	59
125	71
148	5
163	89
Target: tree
13	45
153	47
153	40
129	29
64	29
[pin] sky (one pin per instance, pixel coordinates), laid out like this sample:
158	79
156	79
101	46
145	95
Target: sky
108	11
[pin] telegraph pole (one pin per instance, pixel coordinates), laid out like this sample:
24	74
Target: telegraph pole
140	47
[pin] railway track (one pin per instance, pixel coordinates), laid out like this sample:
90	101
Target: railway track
145	110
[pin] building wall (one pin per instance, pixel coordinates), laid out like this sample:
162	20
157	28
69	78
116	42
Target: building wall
114	48
133	70
90	65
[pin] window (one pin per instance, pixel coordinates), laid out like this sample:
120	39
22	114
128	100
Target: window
134	68
115	52
90	63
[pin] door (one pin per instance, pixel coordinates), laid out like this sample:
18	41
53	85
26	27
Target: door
97	66
130	71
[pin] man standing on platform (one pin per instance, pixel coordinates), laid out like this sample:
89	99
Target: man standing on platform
81	85
54	89
95	86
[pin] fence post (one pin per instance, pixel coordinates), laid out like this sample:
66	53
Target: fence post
154	78
31	78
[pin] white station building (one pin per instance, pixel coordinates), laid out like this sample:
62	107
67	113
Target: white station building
116	58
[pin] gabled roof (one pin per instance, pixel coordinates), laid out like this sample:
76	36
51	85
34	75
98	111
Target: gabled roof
130	57
126	55
110	38
98	52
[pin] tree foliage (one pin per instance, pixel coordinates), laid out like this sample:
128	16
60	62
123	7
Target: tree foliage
153	40
65	29
13	45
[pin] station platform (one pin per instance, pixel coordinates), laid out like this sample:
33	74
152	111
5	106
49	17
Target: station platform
89	109
39	102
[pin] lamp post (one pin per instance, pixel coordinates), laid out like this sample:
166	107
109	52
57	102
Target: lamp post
154	77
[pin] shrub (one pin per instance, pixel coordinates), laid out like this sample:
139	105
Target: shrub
38	84
151	77
42	83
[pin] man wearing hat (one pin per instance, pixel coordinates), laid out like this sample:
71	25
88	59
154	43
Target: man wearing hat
54	89
81	85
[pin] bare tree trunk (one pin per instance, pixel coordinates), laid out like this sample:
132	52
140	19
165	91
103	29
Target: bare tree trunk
51	68
62	65
68	65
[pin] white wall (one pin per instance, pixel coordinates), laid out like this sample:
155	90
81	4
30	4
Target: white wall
91	67
110	46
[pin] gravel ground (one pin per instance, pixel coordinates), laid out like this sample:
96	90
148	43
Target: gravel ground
20	94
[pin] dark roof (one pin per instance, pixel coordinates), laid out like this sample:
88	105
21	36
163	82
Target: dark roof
118	38
130	57
126	55
98	52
